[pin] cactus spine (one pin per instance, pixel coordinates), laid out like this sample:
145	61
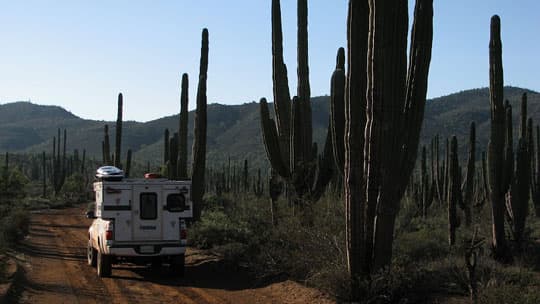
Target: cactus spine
199	142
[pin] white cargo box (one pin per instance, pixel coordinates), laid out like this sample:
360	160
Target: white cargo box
144	209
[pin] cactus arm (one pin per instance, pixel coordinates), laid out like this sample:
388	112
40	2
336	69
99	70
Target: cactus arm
282	96
183	129
304	91
118	142
271	140
355	103
106	146
337	109
199	132
417	83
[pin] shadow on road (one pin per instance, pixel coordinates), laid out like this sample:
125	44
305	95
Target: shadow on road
212	274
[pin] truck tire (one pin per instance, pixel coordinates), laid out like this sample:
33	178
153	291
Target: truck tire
103	265
178	265
156	263
91	255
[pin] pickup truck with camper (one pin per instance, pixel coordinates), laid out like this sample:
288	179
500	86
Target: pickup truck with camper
138	220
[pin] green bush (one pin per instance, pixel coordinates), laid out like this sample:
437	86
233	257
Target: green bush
308	245
14	226
12	185
74	190
216	228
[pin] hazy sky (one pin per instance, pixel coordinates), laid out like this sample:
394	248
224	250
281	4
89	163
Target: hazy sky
81	54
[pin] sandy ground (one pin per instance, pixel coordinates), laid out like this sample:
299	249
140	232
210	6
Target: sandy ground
55	271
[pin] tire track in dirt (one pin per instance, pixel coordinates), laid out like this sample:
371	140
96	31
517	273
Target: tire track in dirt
53	253
57	272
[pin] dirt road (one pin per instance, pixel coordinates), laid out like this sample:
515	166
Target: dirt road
55	271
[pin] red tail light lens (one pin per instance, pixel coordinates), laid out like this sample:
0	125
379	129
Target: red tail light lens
109	233
183	234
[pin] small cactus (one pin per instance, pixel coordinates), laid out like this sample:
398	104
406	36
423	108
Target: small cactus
106	146
454	197
118	142
468	185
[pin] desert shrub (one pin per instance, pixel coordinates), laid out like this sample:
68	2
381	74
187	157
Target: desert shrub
234	230
507	284
14	226
308	245
74	190
3	265
216	229
12	185
423	239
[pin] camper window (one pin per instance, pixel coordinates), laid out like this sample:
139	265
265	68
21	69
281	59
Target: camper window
176	202
148	206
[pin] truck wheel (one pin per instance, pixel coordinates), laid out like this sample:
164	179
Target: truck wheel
156	263
91	255
178	265
103	265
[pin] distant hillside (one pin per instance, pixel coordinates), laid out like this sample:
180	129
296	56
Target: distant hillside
452	114
232	130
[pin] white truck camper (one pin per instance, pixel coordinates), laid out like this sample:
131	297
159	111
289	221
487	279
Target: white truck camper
140	221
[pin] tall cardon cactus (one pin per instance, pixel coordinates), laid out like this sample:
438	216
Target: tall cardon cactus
517	201
183	129
385	103
288	139
199	138
496	142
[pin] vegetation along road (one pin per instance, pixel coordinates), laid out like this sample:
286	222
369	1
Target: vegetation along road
55	271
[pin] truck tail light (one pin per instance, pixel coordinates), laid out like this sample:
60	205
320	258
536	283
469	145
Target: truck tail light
109	233
183	230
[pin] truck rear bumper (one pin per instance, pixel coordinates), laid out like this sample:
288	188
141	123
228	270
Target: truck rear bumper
136	250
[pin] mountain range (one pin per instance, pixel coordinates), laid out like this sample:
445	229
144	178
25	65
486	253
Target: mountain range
233	130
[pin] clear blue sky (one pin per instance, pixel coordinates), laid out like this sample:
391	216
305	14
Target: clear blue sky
80	54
